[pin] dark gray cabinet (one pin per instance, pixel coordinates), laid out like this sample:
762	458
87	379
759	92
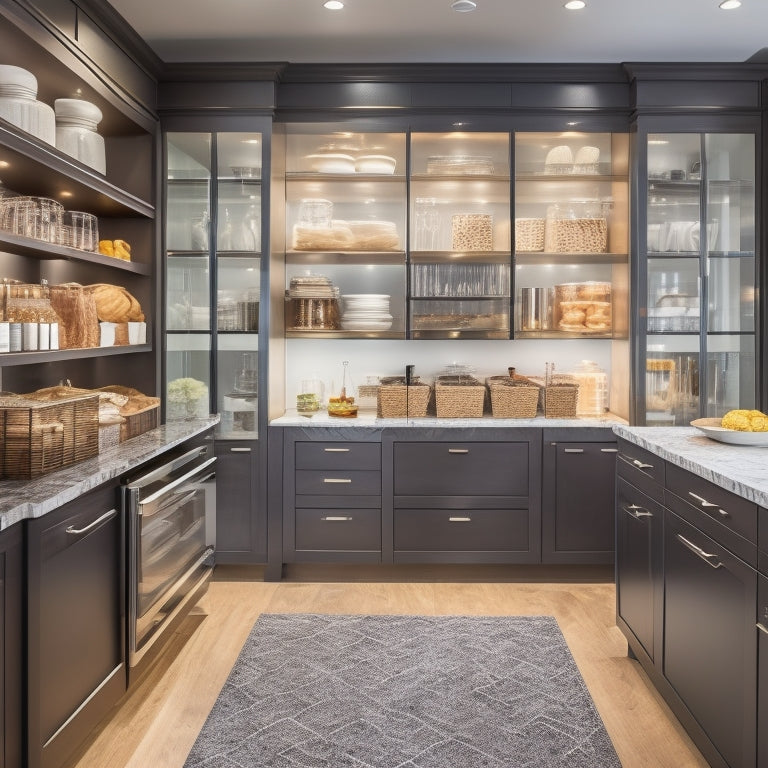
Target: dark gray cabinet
577	502
241	535
710	644
762	679
332	494
464	495
11	553
75	623
639	581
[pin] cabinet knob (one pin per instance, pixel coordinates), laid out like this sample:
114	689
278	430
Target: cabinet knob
641	465
636	511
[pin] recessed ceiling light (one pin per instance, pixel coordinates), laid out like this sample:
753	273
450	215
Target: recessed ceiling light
729	5
463	6
333	5
574	5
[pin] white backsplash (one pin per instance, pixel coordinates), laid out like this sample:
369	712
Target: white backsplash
382	357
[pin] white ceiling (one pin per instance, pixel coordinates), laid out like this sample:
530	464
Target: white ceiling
422	31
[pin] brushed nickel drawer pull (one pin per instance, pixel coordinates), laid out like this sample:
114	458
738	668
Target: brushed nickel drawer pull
699	552
762	627
609	450
573	450
336	450
637	512
459	519
458	450
337	480
640	465
72	531
707	504
336	518
240	450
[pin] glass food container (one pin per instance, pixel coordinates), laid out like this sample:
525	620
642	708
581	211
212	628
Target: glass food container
593	389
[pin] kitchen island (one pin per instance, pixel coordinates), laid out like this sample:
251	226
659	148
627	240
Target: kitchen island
692	582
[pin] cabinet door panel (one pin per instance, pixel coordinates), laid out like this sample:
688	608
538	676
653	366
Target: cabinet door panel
348	529
637	519
462	468
479	530
338	483
710	644
762	681
338	456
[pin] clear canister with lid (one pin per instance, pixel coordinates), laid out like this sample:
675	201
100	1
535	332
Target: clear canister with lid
593	389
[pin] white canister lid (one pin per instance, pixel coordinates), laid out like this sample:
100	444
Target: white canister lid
77	112
16	81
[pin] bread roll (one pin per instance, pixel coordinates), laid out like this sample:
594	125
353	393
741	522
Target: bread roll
114	304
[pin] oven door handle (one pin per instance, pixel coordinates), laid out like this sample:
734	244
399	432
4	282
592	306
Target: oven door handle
168	489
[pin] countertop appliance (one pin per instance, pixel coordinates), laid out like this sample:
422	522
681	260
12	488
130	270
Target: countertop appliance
170	511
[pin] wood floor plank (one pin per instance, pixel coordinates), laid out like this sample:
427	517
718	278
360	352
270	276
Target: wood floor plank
157	722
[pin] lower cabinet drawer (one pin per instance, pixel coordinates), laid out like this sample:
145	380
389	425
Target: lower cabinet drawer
338	483
452	530
346	530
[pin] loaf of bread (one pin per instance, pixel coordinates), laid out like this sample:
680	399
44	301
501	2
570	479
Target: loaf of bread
114	304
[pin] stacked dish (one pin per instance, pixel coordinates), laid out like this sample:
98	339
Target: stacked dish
366	312
460	165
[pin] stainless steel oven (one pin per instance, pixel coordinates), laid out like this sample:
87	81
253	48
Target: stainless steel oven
171	529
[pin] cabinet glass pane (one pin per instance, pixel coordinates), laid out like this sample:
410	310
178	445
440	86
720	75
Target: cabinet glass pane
730	374
674	193
187	357
239	192
673	295
731	294
672	381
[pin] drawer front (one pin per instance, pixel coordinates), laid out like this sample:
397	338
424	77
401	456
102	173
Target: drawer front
338	483
338	455
461	469
643	463
452	530
356	530
762	537
735	513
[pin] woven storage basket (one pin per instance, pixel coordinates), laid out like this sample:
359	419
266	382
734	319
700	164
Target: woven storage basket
141	412
513	398
39	437
396	400
76	307
529	235
559	399
109	436
460	397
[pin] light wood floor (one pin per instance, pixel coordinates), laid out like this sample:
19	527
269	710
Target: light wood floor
156	724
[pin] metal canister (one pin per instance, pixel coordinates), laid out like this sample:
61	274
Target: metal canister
535	309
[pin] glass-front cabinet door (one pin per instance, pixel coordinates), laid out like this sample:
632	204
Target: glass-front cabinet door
460	247
213	260
697	292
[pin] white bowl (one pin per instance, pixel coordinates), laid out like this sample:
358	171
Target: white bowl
331	163
375	164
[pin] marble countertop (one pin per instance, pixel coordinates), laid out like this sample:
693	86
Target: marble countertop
368	419
20	500
743	470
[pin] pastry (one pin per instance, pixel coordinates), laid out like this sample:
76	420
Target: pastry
114	304
106	247
122	249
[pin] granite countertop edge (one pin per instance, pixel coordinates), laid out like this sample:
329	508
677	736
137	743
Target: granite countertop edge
25	499
369	420
743	470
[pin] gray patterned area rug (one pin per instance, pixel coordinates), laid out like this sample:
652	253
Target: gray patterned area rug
312	691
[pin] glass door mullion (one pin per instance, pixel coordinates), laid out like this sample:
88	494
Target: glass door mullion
703	279
213	271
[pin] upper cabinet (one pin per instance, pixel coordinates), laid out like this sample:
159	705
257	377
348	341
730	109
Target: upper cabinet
697	285
118	197
460	246
571	234
346	232
213	274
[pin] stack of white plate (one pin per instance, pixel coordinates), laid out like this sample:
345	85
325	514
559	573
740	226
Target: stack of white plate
366	312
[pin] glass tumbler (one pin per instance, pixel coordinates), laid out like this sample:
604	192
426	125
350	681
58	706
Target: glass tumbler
83	230
315	213
49	217
427	220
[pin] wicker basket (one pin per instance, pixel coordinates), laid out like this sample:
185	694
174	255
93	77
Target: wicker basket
141	412
39	437
558	399
576	236
460	397
513	398
79	322
396	400
109	436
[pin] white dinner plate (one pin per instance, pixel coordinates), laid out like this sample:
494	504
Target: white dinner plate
711	428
